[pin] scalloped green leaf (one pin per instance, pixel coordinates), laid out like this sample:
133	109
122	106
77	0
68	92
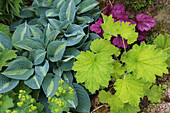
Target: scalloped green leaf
20	69
129	109
101	45
5	41
68	11
129	90
5	29
7	84
93	69
6	55
55	50
163	42
145	61
7	103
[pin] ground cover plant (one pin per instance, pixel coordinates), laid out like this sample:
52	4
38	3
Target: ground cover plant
62	51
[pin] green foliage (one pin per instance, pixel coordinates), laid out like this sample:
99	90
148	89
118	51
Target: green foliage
89	66
155	94
126	30
138	4
163	42
5	29
5	103
9	8
144	57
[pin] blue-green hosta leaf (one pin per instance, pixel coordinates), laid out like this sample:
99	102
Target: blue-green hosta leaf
129	90
68	11
20	69
50	84
37	56
7	84
48	30
29	44
86	5
5	41
74	35
71	52
55	50
27	12
57	71
83	99
67	76
21	33
145	61
6	55
163	42
42	70
55	23
52	36
51	13
43	20
64	24
40	11
93	69
57	4
67	64
84	19
77	1
35	81
35	32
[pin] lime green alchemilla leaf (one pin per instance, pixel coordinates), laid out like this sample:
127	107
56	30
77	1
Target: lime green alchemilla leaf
124	29
115	103
6	55
101	45
118	70
5	29
93	69
130	109
129	90
7	102
163	42
155	94
145	61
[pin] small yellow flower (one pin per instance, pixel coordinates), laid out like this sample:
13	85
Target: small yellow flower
8	111
49	98
30	110
60	89
61	81
70	92
52	99
56	110
70	89
14	111
64	91
19	96
23	98
56	93
27	97
33	108
20	104
32	100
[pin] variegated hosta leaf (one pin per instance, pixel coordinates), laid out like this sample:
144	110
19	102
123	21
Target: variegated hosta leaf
37	56
67	76
51	13
29	44
42	70
20	69
7	84
55	50
6	55
86	5
57	4
35	81
52	36
129	90
5	41
55	23
93	69
68	11
145	61
34	31
50	84
57	71
21	33
74	34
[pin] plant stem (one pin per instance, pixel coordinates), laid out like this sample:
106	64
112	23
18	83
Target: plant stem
125	76
124	45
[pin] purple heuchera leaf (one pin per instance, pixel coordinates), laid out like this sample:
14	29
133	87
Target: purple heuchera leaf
97	26
141	35
119	42
145	22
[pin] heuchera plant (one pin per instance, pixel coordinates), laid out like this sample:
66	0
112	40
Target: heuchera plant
132	75
144	23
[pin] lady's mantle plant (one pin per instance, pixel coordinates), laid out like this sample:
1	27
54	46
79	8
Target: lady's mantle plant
138	67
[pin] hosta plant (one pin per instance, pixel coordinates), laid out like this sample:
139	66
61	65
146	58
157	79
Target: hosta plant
137	67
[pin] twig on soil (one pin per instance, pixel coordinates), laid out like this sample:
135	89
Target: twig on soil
110	3
104	105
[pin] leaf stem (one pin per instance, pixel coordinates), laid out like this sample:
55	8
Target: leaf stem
124	45
125	76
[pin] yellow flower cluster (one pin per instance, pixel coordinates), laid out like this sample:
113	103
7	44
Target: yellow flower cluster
19	104
56	110
56	101
70	90
61	81
32	108
23	96
9	111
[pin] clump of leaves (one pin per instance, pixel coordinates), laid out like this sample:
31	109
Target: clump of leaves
8	9
138	66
